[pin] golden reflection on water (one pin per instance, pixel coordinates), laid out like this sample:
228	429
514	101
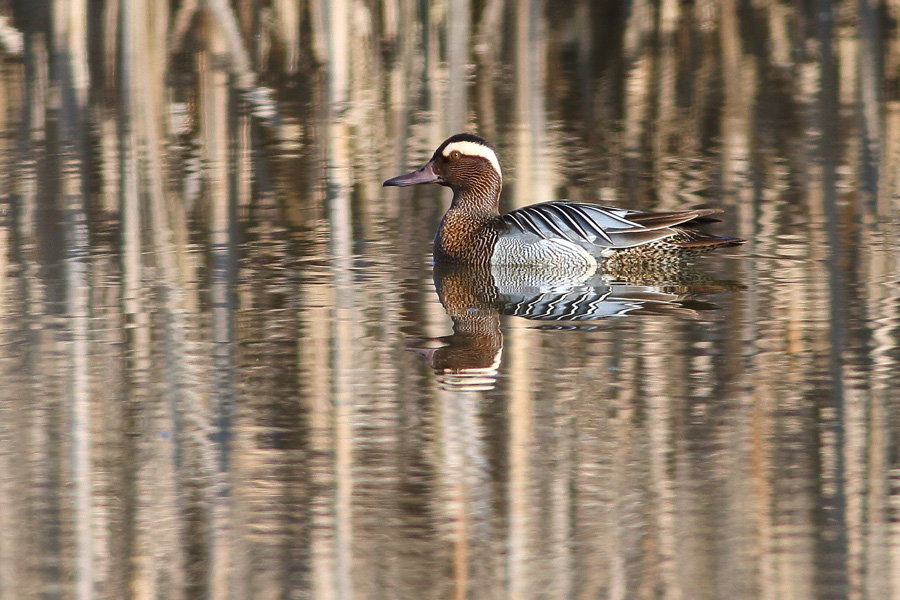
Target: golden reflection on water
228	371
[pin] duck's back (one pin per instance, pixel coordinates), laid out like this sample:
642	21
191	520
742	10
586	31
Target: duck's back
581	234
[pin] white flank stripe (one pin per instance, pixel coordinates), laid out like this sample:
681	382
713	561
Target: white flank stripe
474	149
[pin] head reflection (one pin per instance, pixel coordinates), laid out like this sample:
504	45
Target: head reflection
474	298
469	358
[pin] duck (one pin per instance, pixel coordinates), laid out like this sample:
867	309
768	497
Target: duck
555	233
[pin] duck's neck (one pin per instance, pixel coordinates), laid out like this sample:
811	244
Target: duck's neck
467	233
482	198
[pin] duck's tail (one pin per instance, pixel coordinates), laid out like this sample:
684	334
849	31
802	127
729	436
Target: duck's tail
691	240
685	243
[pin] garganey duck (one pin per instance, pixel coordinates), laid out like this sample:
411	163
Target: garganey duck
550	233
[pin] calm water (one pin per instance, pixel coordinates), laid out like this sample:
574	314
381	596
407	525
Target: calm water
230	371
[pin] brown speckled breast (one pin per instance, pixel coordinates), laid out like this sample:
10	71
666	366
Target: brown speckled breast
466	238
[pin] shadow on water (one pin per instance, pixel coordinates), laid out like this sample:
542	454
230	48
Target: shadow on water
207	303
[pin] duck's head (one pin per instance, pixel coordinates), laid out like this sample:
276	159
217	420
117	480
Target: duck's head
463	162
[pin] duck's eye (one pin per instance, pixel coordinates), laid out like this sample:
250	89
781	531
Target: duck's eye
455	155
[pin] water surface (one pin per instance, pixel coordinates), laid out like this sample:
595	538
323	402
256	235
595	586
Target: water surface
230	371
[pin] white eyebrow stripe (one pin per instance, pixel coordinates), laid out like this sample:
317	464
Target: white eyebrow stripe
474	149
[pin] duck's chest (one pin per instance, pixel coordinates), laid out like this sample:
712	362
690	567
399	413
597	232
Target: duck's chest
466	238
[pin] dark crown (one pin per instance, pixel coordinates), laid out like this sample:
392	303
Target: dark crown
465	137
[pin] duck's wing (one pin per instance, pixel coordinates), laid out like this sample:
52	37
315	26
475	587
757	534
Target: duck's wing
590	225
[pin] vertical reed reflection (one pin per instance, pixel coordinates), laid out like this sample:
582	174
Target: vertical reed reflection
216	113
71	76
206	297
77	306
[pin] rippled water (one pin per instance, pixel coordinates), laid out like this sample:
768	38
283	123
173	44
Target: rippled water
230	370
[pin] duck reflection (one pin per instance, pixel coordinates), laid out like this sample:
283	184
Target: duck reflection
469	358
474	298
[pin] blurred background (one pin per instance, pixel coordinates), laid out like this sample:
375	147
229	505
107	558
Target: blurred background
208	302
